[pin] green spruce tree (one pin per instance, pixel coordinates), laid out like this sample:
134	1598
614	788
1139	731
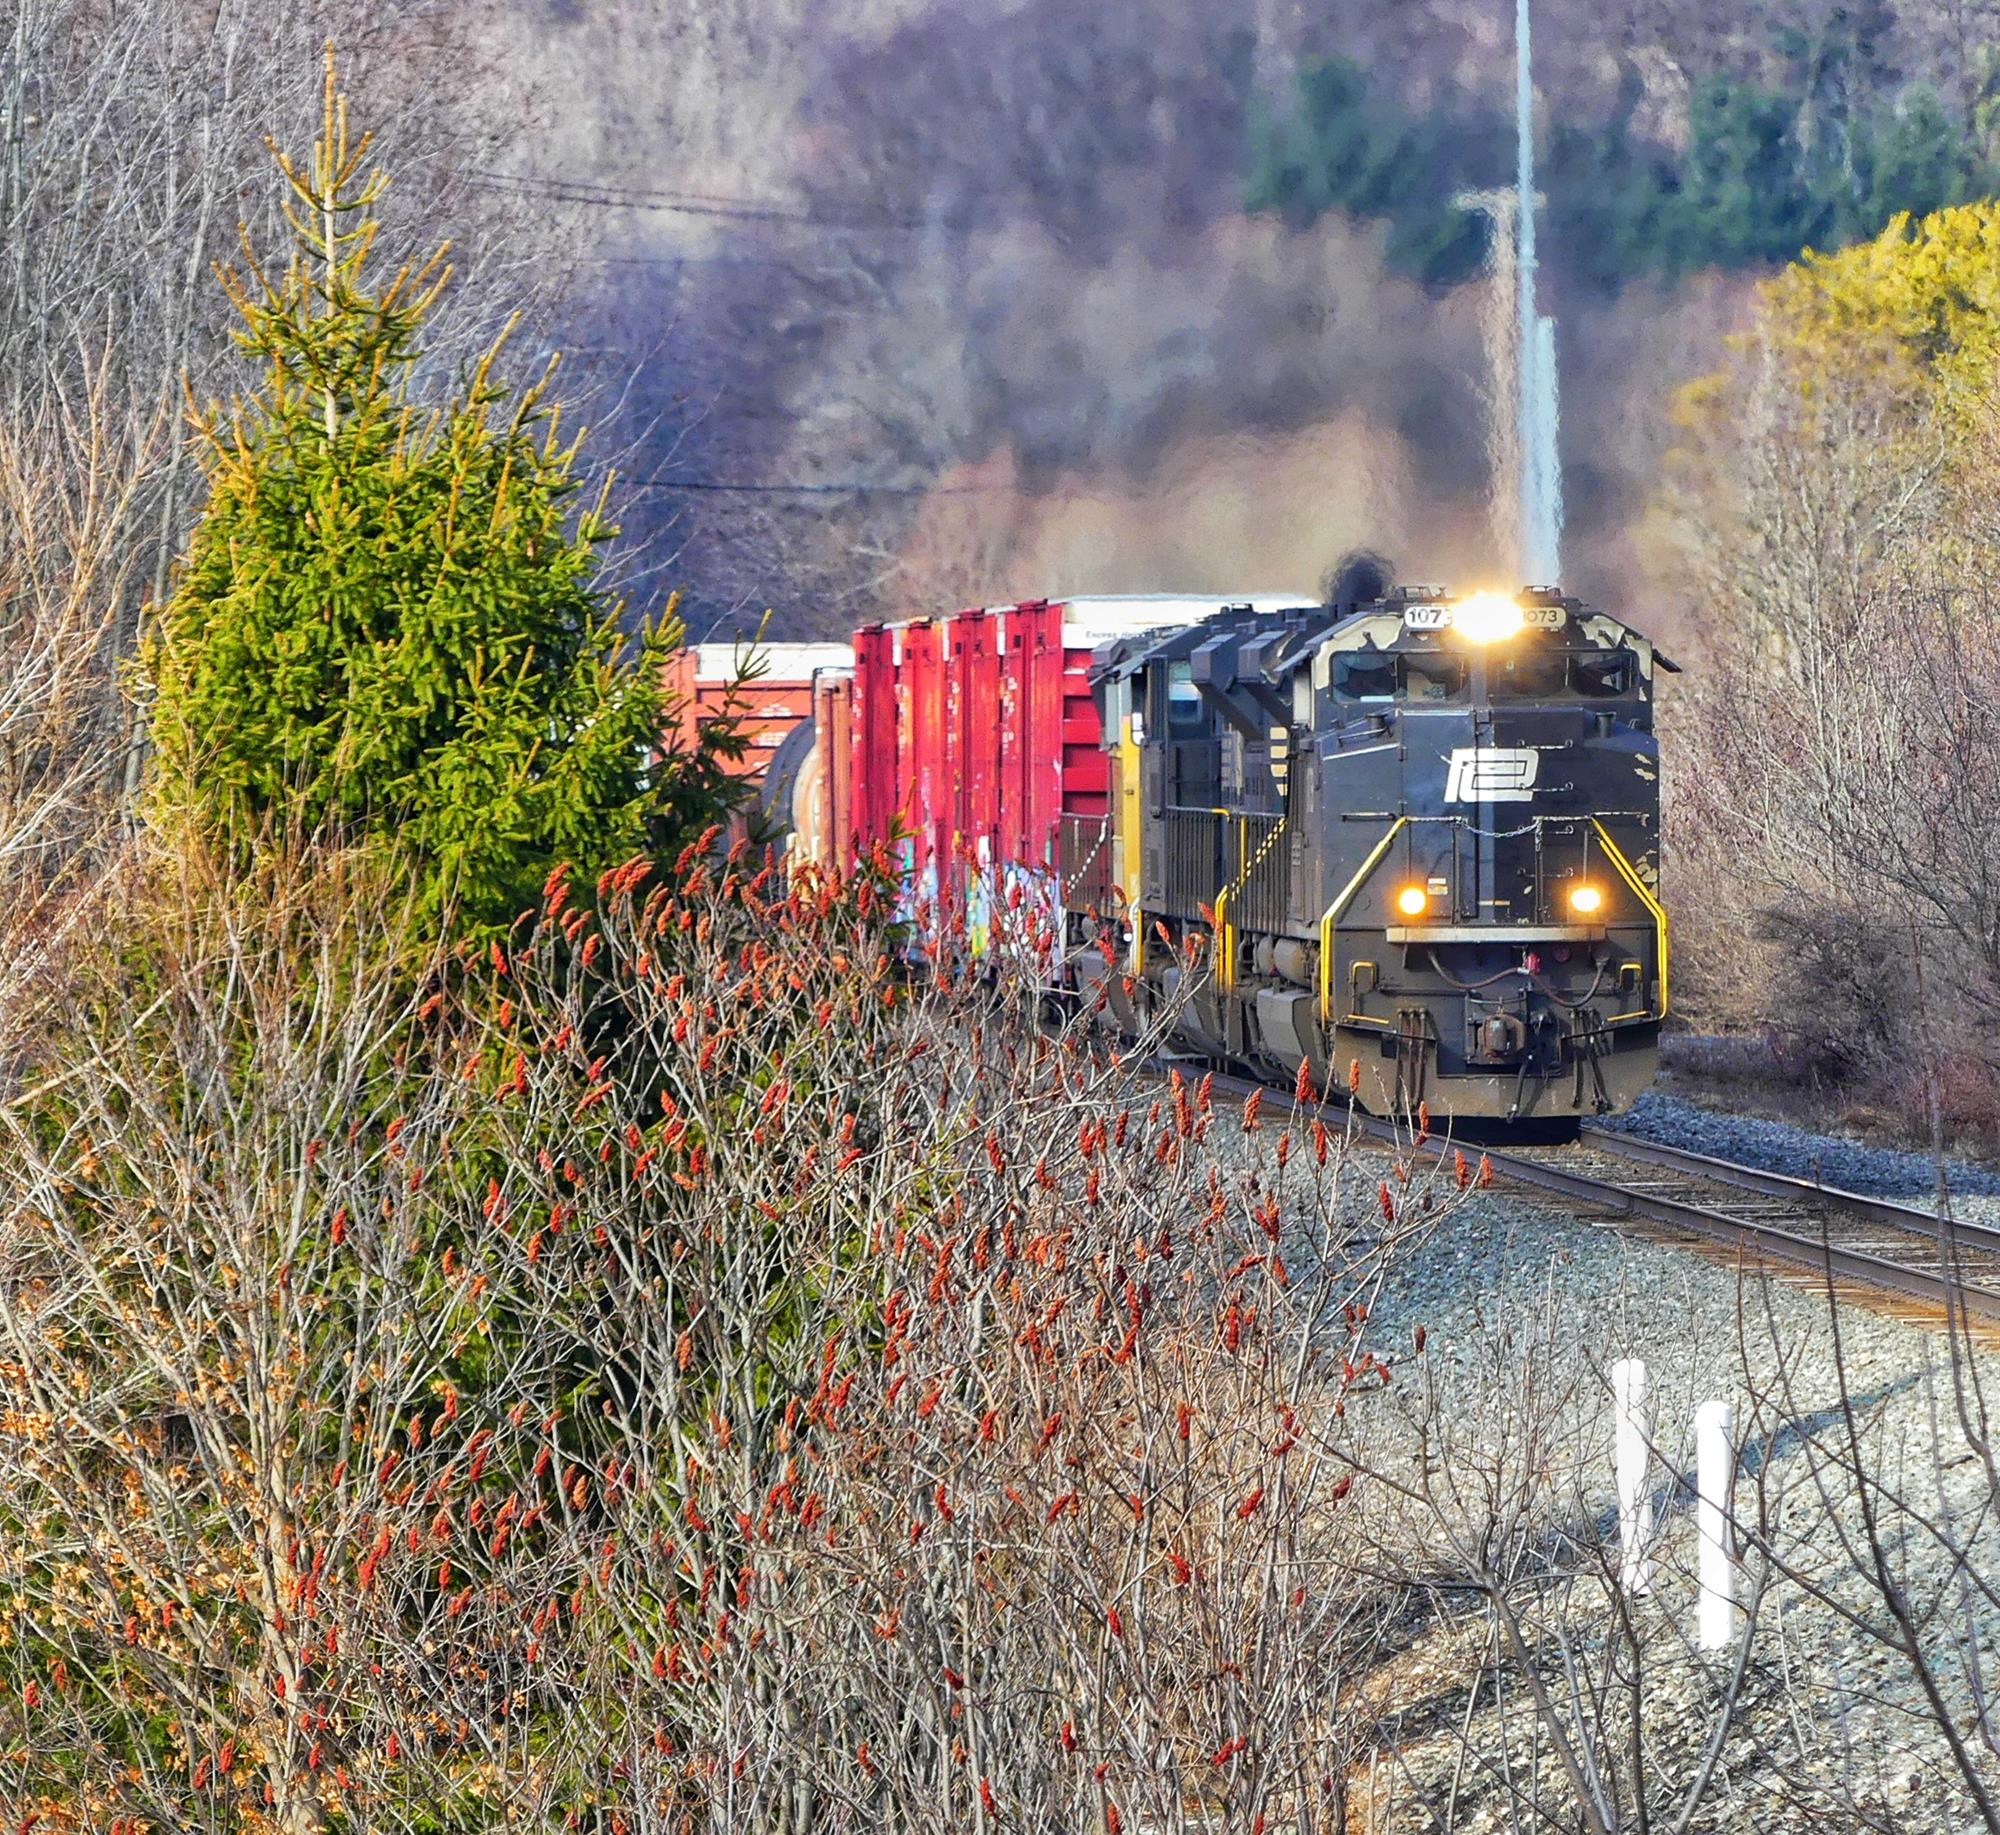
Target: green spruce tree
388	627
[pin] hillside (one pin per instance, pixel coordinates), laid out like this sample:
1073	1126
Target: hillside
928	305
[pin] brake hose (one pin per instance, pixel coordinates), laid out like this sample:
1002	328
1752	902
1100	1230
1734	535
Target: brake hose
1473	987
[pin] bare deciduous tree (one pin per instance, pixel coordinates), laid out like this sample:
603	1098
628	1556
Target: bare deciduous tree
683	1370
71	478
1831	797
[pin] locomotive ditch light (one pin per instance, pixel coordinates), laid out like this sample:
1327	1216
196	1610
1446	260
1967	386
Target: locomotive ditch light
1413	901
1487	618
1586	900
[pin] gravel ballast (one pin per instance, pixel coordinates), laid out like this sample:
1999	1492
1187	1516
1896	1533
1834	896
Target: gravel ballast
1525	1307
1832	1159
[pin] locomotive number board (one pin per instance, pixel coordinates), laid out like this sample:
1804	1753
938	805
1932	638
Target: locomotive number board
1439	617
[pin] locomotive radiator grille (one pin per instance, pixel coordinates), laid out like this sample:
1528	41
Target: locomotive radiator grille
1191	843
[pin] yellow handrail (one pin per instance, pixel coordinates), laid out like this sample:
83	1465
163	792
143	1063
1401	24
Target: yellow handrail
1630	875
1225	932
1127	855
1331	915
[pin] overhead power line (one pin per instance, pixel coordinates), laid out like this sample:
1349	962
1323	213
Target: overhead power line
848	488
860	218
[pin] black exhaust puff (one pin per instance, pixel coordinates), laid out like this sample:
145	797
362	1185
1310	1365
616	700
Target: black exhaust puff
1359	577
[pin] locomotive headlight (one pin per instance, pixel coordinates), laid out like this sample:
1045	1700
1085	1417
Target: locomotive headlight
1487	618
1586	901
1413	901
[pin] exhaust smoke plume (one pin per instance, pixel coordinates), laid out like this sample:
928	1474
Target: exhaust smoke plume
1356	578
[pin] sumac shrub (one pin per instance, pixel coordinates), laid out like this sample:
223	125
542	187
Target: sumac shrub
688	1365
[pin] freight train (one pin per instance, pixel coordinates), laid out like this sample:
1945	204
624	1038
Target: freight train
1409	841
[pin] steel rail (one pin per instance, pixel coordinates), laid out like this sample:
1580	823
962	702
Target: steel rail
1953	1294
1909	1217
1821	1254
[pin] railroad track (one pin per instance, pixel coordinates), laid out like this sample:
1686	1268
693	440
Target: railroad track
1856	1241
1849	1237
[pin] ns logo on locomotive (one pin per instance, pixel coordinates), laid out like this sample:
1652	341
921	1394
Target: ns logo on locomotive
1408	838
1419	834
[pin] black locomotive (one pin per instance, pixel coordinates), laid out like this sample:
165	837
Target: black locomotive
1411	842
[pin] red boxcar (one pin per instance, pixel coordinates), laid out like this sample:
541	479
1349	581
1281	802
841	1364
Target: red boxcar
970	738
974	738
800	692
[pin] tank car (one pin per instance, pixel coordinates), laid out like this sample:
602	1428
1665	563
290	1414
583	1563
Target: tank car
1414	845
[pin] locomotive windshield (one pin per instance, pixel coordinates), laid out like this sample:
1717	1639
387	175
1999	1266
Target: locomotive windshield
1366	675
1557	675
1528	673
1374	675
1431	677
1604	675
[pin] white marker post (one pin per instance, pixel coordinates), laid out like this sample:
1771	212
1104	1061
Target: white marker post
1632	1455
1715	1477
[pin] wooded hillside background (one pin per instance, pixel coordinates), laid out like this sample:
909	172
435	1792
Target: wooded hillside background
889	304
1051	281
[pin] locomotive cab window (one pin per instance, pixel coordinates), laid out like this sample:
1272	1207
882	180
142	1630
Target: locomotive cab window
1173	701
1530	675
1433	678
1365	675
1609	673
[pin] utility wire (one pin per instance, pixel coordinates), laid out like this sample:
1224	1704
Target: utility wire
853	488
693	203
686	261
